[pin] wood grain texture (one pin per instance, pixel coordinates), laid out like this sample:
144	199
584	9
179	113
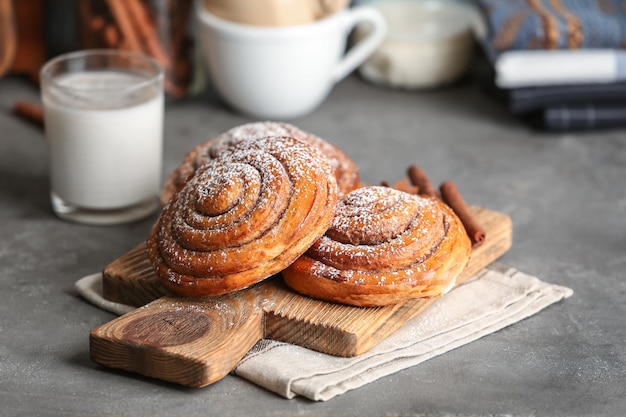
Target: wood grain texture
195	342
192	342
131	280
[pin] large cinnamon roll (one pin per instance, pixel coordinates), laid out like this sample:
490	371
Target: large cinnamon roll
243	216
344	168
383	246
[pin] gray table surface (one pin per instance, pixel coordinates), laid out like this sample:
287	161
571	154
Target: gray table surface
566	194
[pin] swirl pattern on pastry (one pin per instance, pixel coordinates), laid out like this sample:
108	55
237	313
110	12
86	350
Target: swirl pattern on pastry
383	246
344	168
243	216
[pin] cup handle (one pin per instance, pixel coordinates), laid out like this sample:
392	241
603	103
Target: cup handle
366	46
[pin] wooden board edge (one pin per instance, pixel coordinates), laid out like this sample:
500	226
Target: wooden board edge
500	235
131	280
359	336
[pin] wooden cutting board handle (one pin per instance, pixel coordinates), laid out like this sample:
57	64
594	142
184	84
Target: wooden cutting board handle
193	342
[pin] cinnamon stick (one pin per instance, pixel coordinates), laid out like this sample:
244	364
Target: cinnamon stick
147	32
122	18
29	111
453	198
111	36
96	23
419	178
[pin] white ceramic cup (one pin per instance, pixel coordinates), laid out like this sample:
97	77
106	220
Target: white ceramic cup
284	72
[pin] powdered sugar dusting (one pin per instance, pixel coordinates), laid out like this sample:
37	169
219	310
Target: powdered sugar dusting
373	215
384	237
243	209
344	169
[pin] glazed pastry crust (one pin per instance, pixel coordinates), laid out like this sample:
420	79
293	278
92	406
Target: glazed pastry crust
243	216
345	170
384	246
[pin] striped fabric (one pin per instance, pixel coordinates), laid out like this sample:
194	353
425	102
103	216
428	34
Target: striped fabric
554	24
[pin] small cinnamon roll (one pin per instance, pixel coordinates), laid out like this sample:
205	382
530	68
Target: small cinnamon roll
383	246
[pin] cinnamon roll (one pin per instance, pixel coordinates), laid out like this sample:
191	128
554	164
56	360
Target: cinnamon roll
243	216
344	168
383	246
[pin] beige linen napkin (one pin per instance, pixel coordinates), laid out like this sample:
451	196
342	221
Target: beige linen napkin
493	299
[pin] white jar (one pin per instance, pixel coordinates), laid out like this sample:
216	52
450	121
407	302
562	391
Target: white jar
429	43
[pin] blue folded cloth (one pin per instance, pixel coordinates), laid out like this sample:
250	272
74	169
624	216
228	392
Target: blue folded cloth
558	63
589	116
568	107
553	24
529	99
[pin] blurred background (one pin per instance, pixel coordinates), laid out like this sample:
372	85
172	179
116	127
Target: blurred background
556	65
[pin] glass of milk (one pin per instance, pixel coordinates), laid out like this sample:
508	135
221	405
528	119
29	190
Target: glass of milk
104	126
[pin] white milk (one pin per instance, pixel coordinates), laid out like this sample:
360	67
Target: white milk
104	158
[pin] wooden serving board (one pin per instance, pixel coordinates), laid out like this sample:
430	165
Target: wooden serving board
195	342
